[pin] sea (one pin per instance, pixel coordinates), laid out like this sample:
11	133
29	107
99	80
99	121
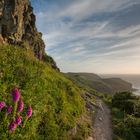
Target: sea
133	79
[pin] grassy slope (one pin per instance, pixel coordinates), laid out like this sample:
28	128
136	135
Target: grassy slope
93	81
118	84
55	100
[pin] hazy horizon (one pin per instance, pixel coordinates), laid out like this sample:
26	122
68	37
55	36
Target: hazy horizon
91	36
104	73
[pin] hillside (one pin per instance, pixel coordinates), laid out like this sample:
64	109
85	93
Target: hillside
93	81
29	73
56	102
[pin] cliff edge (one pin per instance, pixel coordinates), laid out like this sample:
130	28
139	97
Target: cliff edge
17	25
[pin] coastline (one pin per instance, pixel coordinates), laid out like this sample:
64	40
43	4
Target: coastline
133	79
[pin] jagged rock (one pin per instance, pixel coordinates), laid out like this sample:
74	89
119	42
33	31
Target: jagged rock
17	25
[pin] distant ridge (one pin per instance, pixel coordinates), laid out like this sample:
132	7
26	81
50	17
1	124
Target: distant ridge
104	85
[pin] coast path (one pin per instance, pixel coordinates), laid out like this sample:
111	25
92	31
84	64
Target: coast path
102	124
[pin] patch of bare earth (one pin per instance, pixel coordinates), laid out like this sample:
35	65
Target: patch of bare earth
102	125
102	129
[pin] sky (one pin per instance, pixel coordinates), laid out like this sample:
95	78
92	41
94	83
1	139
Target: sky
98	36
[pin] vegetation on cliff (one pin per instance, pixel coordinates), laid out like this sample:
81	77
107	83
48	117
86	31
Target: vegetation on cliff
17	25
55	100
126	116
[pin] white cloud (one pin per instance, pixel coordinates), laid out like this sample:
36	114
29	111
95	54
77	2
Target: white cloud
78	46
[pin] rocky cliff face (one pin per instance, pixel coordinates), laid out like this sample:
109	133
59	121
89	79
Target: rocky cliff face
17	25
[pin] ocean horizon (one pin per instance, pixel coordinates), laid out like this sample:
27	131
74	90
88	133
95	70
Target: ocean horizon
131	78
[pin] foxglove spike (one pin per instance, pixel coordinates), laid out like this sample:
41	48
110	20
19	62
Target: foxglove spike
18	120
9	109
29	111
20	106
12	126
16	94
2	105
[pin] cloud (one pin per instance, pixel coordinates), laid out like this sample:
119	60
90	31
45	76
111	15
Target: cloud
101	36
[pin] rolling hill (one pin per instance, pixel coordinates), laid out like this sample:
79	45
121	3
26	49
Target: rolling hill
95	82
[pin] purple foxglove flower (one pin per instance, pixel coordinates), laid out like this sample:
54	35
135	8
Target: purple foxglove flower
18	120
9	109
12	126
2	105
16	94
20	106
29	111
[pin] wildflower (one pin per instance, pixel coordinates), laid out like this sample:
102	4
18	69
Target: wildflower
12	126
9	109
20	106
28	114
16	94
2	105
18	120
29	111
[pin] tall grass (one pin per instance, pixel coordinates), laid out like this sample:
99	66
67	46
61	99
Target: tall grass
56	102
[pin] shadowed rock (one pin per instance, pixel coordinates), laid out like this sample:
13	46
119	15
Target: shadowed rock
17	25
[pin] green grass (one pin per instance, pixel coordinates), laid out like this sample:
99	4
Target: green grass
126	116
94	82
55	100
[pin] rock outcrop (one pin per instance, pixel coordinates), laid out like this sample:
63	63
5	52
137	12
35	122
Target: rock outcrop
17	25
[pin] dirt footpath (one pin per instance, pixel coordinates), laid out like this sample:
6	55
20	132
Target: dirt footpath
102	123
